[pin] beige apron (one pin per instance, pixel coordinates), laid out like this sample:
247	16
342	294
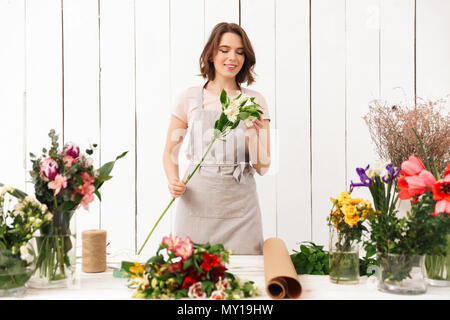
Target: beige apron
220	204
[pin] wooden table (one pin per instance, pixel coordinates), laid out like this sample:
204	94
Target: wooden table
103	286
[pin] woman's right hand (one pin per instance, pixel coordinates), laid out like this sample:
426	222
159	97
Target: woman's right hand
176	187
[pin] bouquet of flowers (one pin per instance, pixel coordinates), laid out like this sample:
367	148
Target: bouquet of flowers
17	226
185	269
429	191
233	111
346	228
63	179
398	241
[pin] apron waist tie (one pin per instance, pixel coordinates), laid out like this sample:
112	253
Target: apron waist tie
240	172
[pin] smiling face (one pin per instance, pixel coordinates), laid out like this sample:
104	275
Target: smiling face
230	57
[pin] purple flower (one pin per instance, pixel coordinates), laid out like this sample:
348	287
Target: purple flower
49	168
390	173
72	150
365	180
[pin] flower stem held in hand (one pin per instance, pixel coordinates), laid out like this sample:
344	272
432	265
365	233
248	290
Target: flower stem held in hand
173	199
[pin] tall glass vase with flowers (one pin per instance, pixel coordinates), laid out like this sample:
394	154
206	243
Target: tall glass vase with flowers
429	191
63	180
18	223
346	228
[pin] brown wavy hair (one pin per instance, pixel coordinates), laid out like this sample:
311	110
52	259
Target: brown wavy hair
207	71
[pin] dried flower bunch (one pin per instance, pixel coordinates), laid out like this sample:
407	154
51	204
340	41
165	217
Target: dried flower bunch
390	128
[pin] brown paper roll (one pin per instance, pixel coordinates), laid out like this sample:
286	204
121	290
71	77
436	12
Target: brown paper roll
93	251
280	275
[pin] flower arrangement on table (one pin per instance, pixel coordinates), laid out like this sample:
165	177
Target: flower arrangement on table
346	221
234	110
184	269
64	179
398	241
17	226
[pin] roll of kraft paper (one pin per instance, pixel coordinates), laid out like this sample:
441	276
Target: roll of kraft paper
280	275
93	251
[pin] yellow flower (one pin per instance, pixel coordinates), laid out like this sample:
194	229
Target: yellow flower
343	197
351	220
348	210
137	270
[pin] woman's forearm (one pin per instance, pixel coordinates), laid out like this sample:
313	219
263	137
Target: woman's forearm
259	149
170	166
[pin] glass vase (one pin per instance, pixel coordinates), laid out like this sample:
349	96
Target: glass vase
16	268
437	268
401	273
55	247
343	258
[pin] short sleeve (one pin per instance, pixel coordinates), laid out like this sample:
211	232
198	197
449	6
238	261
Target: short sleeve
180	107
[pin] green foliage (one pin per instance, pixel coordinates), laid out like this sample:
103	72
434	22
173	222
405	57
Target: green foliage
311	259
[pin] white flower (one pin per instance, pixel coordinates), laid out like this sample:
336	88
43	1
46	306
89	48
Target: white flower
30	199
195	291
232	112
6	189
48	216
222	284
249	121
25	254
378	169
44	208
18	207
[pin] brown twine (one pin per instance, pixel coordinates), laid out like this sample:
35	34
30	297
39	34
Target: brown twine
93	251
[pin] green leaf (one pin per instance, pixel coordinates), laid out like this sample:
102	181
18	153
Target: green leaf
223	97
244	115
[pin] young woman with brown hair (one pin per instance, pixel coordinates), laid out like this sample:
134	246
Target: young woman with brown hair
220	203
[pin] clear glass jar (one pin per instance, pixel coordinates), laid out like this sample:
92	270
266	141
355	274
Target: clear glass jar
343	258
55	247
401	273
16	268
437	268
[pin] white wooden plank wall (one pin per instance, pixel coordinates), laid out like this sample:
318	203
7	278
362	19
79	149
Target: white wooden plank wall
108	72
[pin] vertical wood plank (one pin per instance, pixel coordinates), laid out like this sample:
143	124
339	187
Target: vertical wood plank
153	112
397	50
217	11
12	89
293	121
117	62
81	89
258	21
327	110
187	36
362	85
44	71
433	49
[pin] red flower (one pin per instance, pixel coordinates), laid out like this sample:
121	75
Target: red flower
219	272
209	261
441	193
415	181
188	281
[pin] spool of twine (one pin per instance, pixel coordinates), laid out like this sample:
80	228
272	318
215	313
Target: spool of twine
93	251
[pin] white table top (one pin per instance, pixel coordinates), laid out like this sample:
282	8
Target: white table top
103	286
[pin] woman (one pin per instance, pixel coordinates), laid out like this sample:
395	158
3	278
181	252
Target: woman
220	203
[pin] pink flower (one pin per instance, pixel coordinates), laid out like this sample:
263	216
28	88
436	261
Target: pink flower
411	167
49	168
219	295
171	242
87	179
421	183
68	160
195	291
87	198
184	249
441	193
72	150
59	183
